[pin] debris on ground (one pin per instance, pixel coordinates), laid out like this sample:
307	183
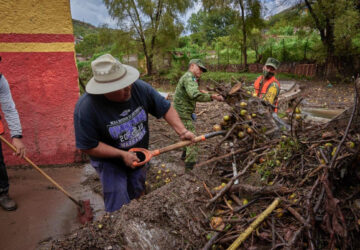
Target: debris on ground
263	185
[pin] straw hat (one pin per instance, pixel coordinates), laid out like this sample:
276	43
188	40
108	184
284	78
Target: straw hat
110	75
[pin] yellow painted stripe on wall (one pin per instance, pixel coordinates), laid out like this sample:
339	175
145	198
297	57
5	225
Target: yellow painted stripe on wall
36	47
35	16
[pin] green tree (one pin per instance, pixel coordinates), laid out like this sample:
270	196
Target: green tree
216	22
337	22
122	43
147	19
88	46
249	16
105	35
256	41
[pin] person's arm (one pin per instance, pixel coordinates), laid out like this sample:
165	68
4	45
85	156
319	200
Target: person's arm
9	109
11	116
192	90
159	107
103	150
271	93
174	121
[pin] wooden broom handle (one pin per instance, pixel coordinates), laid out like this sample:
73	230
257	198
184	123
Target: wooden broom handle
41	171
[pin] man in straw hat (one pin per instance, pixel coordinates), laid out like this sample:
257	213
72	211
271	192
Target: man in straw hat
187	93
111	118
267	86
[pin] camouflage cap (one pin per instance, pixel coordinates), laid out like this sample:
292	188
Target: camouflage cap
199	63
272	62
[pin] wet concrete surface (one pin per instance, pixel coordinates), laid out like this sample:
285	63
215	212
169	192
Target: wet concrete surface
43	211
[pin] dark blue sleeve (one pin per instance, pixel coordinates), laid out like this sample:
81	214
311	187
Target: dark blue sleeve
86	134
156	104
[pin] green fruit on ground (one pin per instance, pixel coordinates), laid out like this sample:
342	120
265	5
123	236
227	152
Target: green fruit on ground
297	117
243	112
226	117
253	115
249	130
248	92
350	144
216	127
297	111
334	151
328	145
243	104
241	134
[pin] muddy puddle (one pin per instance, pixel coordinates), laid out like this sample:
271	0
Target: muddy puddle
43	211
322	113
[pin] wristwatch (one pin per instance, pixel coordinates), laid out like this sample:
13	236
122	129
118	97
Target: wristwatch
17	136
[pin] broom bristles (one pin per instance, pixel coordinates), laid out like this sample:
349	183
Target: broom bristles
85	213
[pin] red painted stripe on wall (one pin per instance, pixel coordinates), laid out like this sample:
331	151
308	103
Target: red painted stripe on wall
45	89
35	38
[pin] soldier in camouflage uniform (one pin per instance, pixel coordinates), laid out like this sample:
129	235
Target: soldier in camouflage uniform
187	93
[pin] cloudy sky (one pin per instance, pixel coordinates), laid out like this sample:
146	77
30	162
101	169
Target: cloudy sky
95	12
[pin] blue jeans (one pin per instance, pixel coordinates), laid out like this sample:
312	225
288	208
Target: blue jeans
4	180
120	184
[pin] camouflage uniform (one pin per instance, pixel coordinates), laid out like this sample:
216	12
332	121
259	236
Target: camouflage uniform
186	95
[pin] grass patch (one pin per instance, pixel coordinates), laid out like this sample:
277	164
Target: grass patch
248	77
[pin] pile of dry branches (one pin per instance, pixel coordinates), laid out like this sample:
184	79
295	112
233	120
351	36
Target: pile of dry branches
294	188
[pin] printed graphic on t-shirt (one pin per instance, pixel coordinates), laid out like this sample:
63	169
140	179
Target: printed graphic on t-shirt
129	130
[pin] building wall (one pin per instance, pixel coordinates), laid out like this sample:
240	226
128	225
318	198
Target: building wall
38	60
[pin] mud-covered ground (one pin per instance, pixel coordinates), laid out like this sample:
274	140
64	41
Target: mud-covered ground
326	95
174	207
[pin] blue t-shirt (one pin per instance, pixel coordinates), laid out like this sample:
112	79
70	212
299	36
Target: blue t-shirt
121	125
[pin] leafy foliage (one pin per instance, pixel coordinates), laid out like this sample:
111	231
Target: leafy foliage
150	21
82	28
213	24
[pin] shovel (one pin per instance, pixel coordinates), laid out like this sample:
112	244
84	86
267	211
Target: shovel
84	209
149	154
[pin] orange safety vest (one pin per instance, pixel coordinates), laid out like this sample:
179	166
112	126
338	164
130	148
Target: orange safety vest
265	87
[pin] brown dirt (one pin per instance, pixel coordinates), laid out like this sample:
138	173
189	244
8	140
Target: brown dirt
320	94
173	215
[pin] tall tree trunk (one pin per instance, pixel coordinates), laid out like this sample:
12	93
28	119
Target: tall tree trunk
149	64
241	2
327	36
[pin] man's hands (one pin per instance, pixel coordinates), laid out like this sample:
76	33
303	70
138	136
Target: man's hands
187	135
217	97
20	147
129	158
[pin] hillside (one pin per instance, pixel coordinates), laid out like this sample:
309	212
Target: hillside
82	28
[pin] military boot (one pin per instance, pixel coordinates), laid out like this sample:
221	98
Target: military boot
7	203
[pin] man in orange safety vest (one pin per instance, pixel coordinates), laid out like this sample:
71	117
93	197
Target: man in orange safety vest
267	86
